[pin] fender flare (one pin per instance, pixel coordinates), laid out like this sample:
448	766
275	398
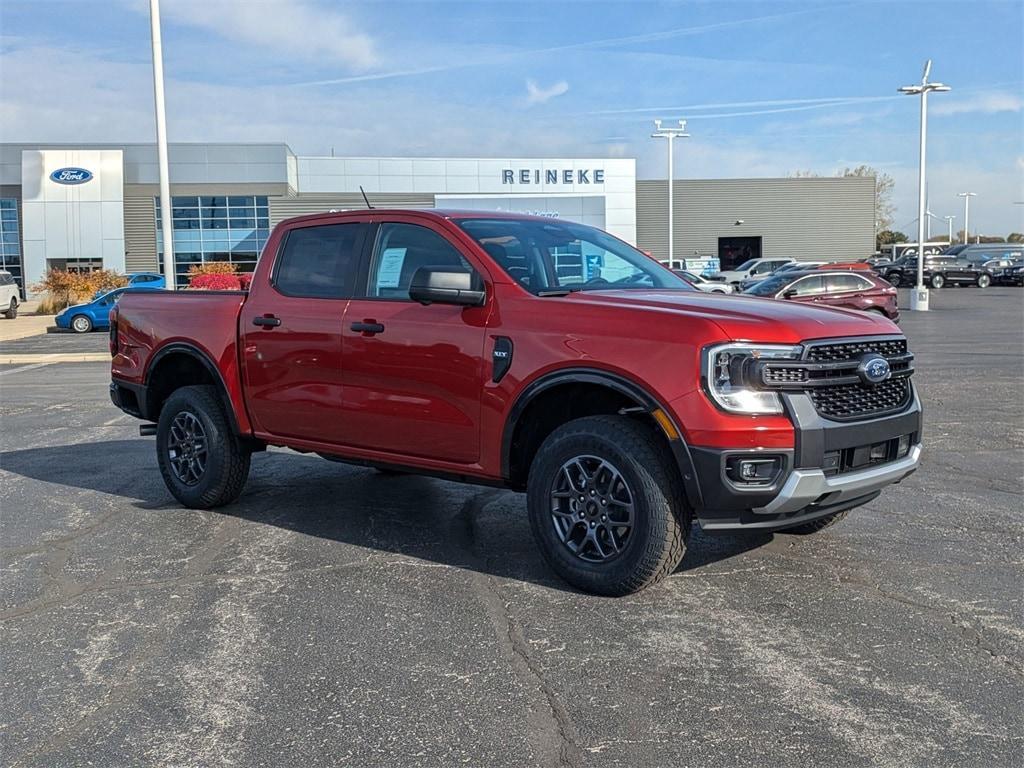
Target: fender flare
620	384
197	354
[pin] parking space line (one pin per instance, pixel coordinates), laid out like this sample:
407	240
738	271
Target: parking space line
27	367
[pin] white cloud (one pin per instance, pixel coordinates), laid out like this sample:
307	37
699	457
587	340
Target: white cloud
293	27
536	94
984	103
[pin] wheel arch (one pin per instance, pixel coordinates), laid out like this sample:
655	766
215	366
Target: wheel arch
182	365
522	433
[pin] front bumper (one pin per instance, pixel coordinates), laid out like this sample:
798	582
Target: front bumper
804	489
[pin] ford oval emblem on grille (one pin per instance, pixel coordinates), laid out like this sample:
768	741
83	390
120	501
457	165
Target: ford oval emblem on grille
71	176
873	369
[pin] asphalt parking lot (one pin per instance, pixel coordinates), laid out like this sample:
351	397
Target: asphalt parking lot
336	616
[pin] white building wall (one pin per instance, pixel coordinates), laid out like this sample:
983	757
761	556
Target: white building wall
72	221
597	191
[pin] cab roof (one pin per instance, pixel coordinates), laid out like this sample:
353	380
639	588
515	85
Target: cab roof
436	214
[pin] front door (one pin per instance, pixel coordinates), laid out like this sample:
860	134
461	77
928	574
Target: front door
291	333
413	374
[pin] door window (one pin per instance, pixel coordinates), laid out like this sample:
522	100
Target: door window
808	286
401	249
319	262
845	283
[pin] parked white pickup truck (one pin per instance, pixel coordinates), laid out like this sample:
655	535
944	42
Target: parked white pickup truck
751	268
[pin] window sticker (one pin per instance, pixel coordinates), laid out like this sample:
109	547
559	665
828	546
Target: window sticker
389	272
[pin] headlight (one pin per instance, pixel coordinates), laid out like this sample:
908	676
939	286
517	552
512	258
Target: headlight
730	380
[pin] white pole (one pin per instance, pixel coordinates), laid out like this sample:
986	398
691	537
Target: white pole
967	218
949	221
921	194
167	225
671	253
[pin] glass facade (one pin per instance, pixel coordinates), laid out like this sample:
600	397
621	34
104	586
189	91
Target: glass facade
10	244
215	228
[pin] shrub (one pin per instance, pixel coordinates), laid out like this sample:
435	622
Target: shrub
245	280
64	288
212	268
214	282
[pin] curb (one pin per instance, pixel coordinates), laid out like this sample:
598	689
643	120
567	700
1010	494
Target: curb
58	357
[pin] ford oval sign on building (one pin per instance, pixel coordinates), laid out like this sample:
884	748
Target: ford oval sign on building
71	176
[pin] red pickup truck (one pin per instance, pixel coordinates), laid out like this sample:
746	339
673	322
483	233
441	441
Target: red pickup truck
529	353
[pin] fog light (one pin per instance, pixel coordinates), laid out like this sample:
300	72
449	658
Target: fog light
759	471
904	446
878	452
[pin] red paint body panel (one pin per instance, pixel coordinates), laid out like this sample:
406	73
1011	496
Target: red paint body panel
420	392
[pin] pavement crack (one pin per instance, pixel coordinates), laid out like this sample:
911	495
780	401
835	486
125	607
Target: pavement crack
550	728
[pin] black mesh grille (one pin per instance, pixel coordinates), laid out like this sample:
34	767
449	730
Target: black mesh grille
784	375
861	401
851	350
848	401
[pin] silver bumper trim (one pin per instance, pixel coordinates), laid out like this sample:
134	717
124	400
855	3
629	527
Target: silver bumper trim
805	486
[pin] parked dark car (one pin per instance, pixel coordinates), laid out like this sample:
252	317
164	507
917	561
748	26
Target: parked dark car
1011	275
851	290
939	271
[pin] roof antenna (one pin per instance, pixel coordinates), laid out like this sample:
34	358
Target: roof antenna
365	198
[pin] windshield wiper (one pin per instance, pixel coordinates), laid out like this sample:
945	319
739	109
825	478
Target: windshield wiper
559	291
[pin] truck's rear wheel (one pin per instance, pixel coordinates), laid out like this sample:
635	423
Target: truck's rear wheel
606	506
203	463
814	526
938	281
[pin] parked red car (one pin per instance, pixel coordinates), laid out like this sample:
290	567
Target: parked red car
853	290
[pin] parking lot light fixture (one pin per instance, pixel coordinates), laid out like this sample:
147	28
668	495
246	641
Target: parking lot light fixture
967	214
949	223
919	297
670	134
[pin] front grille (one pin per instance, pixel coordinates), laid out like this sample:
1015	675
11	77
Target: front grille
828	373
849	401
851	350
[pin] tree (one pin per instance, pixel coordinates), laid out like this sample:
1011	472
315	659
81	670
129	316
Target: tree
1015	237
889	236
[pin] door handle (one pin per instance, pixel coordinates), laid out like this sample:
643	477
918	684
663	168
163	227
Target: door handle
368	327
267	321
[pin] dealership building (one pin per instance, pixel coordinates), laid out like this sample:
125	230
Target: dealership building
85	207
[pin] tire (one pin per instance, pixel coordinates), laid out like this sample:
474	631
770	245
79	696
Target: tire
617	560
81	324
200	479
12	309
806	529
894	279
937	281
984	281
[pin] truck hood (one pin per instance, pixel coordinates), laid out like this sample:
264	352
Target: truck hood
747	318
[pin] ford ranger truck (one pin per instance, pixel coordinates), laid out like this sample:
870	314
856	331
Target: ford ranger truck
529	353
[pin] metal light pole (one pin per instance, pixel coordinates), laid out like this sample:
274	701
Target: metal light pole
967	214
166	224
670	134
949	223
919	297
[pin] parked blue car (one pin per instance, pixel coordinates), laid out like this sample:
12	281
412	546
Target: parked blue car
150	280
82	318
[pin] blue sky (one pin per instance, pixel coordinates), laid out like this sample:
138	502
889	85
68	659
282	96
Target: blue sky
768	88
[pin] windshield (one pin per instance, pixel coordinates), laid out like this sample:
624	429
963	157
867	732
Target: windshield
548	256
745	265
769	286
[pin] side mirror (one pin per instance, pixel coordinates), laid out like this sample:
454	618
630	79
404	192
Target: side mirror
446	285
789	294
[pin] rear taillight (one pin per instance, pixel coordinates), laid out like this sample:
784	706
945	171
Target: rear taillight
113	331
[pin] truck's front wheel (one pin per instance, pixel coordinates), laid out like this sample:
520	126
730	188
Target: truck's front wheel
606	506
202	461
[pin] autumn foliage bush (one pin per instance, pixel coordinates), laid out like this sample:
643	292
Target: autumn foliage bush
214	282
64	288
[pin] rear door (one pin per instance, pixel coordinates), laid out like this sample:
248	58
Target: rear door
845	291
413	375
291	331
